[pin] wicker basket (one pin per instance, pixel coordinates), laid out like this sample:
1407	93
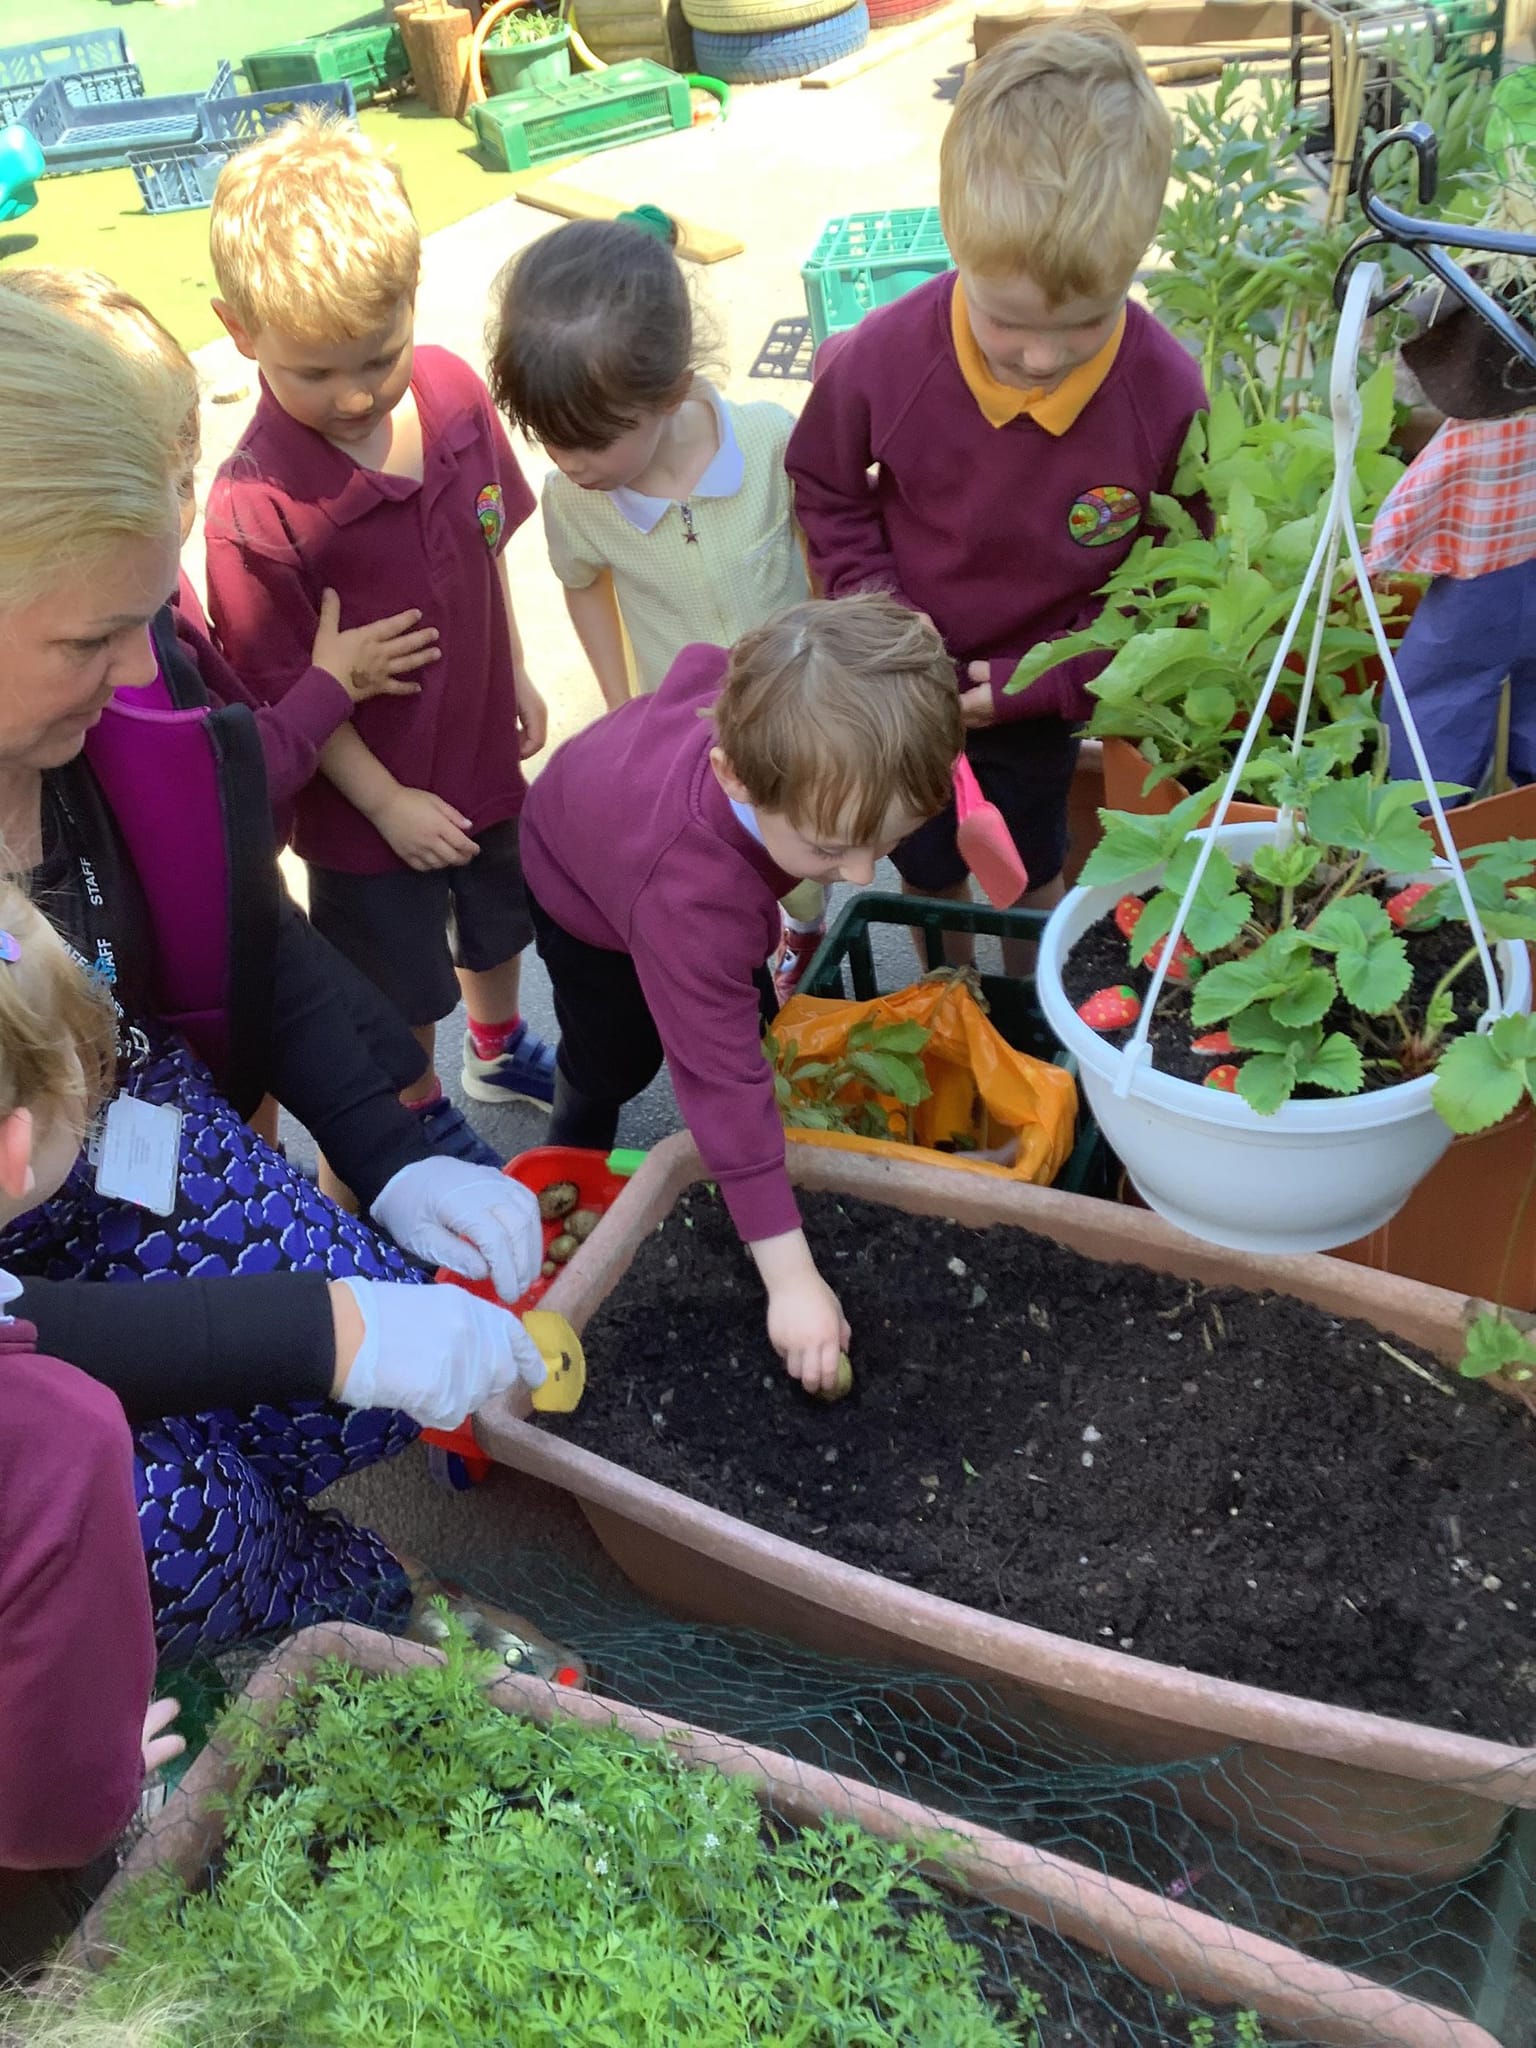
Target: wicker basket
437	44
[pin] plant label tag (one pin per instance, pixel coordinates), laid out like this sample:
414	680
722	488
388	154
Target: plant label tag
136	1159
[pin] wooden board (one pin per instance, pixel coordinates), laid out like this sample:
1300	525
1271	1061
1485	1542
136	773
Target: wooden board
1160	24
889	42
573	202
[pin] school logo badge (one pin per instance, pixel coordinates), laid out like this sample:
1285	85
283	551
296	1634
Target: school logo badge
491	515
1107	513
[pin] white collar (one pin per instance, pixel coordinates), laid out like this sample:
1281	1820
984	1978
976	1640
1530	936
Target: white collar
746	818
10	1288
722	479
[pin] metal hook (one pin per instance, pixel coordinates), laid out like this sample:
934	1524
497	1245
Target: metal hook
1429	239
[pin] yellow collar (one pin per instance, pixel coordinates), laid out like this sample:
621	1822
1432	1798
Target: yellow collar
1056	410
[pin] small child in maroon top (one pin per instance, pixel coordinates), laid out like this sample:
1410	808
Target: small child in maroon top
381	472
79	1644
1018	415
344	668
805	754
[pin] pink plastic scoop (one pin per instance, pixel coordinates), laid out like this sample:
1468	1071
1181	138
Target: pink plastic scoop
985	843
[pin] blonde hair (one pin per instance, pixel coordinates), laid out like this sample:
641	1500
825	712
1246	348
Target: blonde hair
1056	159
88	433
87	296
311	233
57	1030
839	713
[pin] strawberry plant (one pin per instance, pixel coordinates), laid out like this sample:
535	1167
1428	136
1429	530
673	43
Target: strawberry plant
870	1090
1301	963
1191	624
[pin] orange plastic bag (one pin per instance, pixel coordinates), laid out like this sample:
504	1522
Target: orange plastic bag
984	1093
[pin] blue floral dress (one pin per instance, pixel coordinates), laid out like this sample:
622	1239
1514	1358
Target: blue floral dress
232	1545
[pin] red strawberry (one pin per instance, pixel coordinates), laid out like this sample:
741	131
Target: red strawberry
1214	1042
1400	908
1127	912
1184	955
1111	1009
1224	1078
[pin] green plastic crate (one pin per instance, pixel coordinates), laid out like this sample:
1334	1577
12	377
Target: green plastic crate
844	967
367	59
601	110
864	260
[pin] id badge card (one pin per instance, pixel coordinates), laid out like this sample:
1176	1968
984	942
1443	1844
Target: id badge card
137	1153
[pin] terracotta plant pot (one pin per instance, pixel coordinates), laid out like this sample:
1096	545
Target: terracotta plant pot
1168	1945
437	39
1085	800
1332	1780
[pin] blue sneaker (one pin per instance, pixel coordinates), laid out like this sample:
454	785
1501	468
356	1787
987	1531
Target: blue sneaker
449	1131
523	1072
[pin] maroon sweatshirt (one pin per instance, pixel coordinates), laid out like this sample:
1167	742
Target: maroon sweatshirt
1002	535
77	1646
630	843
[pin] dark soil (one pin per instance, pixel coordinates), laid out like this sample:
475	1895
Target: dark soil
1102	959
1232	1482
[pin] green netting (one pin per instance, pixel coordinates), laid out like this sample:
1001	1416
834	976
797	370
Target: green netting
1189	1833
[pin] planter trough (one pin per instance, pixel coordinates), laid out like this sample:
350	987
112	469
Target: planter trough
1169	1946
1335	1781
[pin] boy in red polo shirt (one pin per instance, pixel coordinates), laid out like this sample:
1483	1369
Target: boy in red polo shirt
374	467
1018	415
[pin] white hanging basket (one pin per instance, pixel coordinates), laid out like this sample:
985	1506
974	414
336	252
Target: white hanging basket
1315	1174
1312	1176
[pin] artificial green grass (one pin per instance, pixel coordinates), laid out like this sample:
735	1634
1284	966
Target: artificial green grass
96	221
177	47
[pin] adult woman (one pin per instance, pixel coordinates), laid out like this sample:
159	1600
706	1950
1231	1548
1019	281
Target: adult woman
147	838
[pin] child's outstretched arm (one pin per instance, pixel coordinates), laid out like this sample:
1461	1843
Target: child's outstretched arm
594	613
423	829
532	715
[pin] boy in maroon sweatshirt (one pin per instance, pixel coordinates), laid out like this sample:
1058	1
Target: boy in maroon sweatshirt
657	845
1017	414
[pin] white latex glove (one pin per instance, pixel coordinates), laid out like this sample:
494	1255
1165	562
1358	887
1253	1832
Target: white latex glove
471	1219
436	1352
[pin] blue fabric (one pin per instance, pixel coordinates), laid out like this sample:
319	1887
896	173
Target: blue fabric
1466	637
233	1548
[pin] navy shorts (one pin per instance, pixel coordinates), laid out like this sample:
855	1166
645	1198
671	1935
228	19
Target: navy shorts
408	929
1025	768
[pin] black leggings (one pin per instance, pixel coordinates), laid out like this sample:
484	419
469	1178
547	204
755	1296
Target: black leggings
610	1050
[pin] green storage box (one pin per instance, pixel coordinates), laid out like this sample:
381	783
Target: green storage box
367	59
601	110
864	260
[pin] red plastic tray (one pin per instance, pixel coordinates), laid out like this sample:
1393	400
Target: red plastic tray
599	1186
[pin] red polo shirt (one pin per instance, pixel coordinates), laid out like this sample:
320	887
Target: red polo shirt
290	516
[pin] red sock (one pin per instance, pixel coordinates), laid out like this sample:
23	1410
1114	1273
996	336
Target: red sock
490	1040
426	1101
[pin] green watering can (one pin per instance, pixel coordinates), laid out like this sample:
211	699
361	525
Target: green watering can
21	161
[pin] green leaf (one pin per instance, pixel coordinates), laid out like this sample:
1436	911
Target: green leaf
1130	845
1210	704
1355	815
907	1036
1477	1085
891	1076
1336	1065
1308	1000
1171	516
1266	1081
1215	921
1377	976
1286	866
1050	652
1495	1345
1265	973
1350	922
1255	1030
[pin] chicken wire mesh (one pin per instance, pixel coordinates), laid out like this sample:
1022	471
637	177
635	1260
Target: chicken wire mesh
1083	1897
